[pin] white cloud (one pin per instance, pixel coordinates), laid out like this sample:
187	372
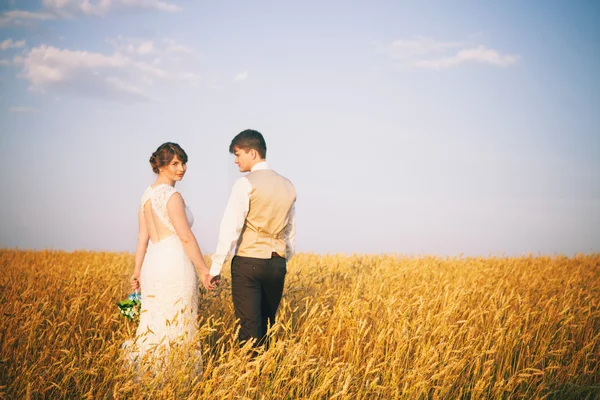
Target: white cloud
19	60
61	9
50	69
125	88
103	7
242	76
173	47
189	77
117	76
146	48
11	44
480	54
166	54
18	17
16	61
409	48
178	48
27	110
150	47
426	53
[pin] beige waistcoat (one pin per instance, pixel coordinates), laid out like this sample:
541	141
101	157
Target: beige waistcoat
271	199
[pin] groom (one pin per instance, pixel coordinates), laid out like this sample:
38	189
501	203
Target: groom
260	219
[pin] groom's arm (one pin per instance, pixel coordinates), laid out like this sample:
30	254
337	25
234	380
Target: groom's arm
232	223
290	234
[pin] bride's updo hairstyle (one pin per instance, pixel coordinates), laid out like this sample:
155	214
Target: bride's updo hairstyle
164	155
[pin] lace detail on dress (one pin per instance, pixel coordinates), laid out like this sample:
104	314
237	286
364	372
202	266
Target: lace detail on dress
160	195
146	196
169	296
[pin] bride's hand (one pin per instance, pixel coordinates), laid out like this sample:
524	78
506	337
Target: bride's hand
134	281
208	281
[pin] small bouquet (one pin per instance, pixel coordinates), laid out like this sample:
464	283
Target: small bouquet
130	308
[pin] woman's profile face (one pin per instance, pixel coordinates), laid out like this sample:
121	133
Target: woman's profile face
175	170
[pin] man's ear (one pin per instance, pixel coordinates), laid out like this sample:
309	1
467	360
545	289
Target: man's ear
253	154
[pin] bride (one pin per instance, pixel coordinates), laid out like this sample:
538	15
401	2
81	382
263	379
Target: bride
165	256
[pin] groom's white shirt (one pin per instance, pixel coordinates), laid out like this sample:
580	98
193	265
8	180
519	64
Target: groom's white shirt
235	217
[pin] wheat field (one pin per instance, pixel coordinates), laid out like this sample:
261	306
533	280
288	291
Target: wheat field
349	327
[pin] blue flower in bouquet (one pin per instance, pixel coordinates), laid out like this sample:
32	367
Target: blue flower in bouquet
130	308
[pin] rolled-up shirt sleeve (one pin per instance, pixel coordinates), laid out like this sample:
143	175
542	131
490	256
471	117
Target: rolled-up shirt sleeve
290	233
232	223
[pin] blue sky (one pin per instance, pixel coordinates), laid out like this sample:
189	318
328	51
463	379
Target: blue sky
407	127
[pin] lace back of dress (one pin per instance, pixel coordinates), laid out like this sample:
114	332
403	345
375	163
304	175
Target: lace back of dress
166	334
154	206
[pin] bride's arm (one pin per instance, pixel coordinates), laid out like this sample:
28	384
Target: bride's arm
176	210
140	250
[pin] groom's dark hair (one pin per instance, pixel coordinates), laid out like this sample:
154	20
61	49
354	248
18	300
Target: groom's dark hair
249	139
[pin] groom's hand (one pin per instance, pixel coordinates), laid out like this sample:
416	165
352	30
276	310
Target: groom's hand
209	281
215	281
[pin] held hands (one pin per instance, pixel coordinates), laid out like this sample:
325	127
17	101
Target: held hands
210	282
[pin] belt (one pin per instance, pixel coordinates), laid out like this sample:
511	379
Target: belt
275	255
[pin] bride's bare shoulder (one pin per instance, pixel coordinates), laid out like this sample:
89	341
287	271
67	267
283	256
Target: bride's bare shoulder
146	195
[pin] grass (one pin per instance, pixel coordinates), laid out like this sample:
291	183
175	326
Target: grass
349	327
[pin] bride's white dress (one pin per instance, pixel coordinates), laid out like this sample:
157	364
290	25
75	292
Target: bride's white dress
169	288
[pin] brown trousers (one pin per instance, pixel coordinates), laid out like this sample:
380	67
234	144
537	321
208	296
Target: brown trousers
256	288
